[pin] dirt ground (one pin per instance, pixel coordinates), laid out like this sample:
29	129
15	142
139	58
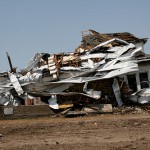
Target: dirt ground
105	132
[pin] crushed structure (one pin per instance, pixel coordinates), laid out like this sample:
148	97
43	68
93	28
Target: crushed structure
105	69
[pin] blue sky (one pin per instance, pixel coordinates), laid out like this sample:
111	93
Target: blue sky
53	26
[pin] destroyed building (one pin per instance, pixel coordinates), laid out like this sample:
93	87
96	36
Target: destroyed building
105	69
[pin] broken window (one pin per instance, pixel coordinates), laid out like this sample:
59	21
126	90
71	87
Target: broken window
144	80
132	82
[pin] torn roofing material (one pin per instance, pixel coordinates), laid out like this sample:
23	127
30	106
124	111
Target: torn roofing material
91	38
99	57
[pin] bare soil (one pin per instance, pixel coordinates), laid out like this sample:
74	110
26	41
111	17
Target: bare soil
105	132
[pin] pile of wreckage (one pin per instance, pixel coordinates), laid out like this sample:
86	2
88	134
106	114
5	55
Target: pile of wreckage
102	70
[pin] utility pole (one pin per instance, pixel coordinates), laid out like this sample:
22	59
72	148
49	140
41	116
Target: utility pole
10	63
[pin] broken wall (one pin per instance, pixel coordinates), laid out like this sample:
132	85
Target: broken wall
105	86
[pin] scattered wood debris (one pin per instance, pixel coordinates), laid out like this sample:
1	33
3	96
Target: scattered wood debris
105	69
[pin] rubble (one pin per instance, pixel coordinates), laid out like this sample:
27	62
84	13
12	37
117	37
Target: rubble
98	108
79	77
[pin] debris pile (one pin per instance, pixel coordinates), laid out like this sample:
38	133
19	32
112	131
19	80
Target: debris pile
84	80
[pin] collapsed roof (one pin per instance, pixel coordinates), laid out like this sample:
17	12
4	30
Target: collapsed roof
91	38
99	57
